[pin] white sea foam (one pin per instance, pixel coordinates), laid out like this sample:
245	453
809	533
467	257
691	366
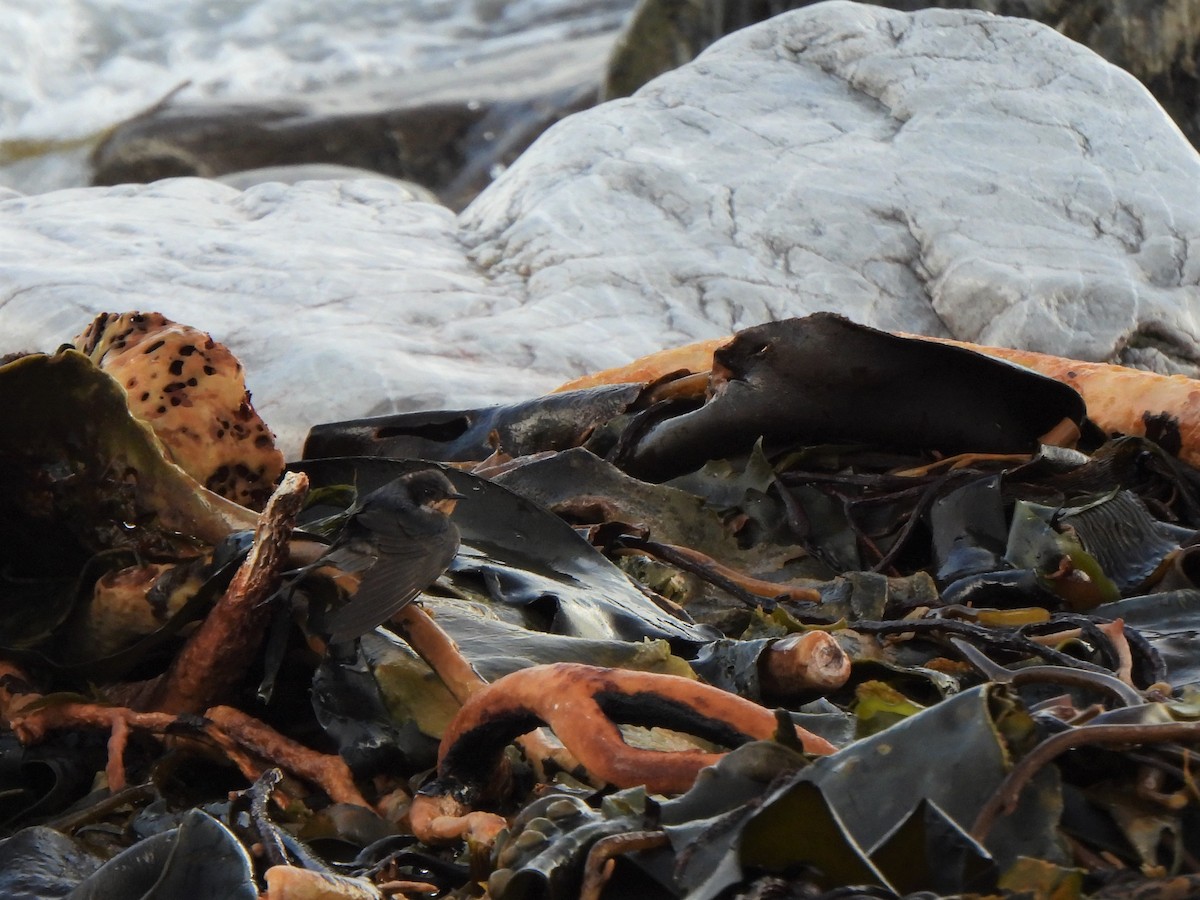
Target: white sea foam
73	68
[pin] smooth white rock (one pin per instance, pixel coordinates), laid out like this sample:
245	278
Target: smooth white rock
332	294
944	171
947	171
293	174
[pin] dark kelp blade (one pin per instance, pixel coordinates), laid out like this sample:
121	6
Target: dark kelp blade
39	862
40	781
70	444
585	489
553	422
529	555
823	378
800	832
1128	543
349	705
951	755
930	851
200	858
969	529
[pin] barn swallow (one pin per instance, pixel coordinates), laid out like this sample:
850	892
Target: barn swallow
398	539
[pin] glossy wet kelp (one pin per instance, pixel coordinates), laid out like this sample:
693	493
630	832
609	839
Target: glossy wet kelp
993	596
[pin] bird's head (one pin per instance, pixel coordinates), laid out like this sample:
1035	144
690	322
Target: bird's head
431	489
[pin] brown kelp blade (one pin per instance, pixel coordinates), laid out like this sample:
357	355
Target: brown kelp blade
825	379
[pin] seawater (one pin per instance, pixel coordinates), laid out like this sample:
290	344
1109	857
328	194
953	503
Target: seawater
72	69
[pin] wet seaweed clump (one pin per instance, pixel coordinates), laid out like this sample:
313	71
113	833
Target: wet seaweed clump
818	611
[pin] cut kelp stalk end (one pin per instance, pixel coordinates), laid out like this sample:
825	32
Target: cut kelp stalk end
799	663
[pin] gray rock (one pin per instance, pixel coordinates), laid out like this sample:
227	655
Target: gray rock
945	172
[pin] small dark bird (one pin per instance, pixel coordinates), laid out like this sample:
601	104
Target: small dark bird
400	538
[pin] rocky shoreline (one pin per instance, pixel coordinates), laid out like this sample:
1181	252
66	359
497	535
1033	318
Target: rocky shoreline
943	172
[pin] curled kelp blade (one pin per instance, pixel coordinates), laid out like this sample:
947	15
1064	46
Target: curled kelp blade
969	529
200	858
528	557
352	710
1129	544
74	461
823	378
41	781
553	422
1093	552
807	837
103	643
929	850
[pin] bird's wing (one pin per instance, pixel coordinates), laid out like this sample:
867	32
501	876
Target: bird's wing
402	570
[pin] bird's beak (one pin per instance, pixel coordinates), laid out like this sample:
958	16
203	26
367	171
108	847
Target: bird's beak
455	495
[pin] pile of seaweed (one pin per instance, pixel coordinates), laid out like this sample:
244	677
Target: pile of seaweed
851	615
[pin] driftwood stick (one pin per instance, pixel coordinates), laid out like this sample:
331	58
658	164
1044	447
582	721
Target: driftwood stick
217	655
751	590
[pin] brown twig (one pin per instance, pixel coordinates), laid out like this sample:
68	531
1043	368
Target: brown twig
439	650
681	387
118	739
1115	632
747	588
402	888
32	726
964	460
31	718
1004	800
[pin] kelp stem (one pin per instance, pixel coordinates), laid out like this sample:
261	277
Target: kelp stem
216	657
804	662
1004	801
